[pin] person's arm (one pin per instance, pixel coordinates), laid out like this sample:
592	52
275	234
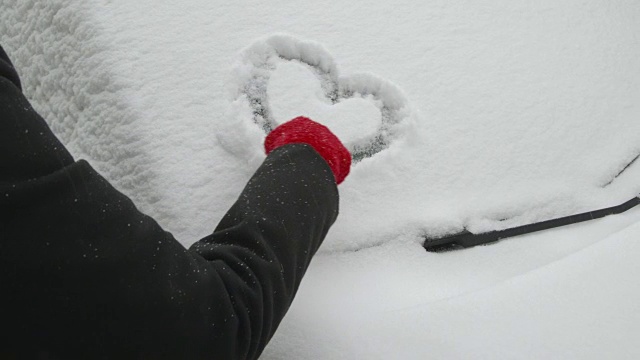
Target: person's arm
264	244
85	274
7	70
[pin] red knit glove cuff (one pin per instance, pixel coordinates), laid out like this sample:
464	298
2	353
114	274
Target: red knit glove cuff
307	131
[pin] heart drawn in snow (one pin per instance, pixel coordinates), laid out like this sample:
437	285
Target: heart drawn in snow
281	77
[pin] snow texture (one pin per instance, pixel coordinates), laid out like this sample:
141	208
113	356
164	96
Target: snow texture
481	115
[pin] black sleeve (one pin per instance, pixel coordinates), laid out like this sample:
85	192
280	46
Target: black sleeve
7	70
263	245
84	274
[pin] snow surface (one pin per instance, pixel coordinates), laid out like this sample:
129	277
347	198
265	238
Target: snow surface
490	114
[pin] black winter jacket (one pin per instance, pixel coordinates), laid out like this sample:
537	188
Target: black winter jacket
84	274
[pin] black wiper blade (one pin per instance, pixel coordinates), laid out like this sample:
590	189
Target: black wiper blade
466	239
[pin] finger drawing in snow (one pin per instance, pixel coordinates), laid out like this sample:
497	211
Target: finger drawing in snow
510	113
281	77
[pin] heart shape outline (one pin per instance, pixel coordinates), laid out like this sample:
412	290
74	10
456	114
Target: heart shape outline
258	61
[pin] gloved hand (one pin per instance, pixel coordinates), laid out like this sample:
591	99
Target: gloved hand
307	131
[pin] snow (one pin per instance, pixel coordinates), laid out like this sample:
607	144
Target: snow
493	114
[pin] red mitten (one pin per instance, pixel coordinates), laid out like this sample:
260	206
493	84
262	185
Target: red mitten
307	131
